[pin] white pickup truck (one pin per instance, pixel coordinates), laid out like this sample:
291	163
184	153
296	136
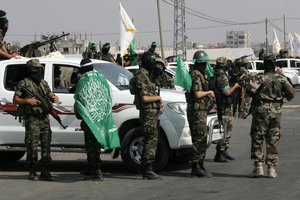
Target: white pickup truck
292	74
175	140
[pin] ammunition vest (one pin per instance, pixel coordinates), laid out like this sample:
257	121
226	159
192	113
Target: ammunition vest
198	104
27	109
141	75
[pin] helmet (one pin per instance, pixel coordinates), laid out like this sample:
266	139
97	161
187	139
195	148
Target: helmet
200	56
160	63
148	60
241	62
221	62
157	72
34	65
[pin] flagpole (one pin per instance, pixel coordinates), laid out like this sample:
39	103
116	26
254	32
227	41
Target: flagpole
267	43
160	32
284	33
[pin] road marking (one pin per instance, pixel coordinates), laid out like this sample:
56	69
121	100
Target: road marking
291	106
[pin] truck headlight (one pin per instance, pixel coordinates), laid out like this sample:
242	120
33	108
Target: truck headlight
178	107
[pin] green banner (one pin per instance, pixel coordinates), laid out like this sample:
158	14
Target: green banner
182	76
93	101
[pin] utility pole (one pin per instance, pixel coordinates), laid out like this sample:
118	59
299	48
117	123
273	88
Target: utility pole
284	33
267	43
179	43
160	31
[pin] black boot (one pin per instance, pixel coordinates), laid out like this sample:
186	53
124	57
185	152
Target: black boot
150	174
219	157
93	174
46	175
228	156
33	176
199	171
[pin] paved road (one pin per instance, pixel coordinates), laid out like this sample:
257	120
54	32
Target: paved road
230	180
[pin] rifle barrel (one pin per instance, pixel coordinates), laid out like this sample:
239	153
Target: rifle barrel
46	107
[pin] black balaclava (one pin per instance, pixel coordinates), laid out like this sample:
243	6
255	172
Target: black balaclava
200	66
36	74
106	48
86	65
35	70
153	47
148	61
3	22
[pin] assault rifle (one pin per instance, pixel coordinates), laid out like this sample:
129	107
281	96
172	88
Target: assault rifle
220	105
46	106
31	50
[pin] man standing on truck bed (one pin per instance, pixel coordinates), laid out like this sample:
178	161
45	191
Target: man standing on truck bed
37	125
4	52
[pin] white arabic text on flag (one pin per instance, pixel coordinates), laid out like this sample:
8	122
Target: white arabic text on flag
127	30
276	44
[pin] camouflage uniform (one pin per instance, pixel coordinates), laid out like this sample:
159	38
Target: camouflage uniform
105	54
148	116
268	91
223	83
93	148
88	53
245	102
197	116
108	57
241	102
3	45
37	127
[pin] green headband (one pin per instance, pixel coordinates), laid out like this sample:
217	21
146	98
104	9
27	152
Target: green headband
3	17
202	59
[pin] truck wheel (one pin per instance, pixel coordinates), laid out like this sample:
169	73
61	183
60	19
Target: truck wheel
11	156
132	147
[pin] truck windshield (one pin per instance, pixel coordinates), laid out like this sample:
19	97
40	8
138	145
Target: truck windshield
116	74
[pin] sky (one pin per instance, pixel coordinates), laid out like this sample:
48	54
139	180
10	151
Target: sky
100	19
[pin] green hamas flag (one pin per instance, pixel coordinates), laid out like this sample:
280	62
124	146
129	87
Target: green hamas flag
133	53
93	102
182	76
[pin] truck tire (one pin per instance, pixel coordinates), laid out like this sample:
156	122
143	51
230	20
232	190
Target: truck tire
132	147
11	156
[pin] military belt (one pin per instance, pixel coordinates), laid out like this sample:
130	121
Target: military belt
276	103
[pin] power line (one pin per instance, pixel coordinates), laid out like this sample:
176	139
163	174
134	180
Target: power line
197	15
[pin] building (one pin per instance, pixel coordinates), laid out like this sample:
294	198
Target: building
70	44
237	39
